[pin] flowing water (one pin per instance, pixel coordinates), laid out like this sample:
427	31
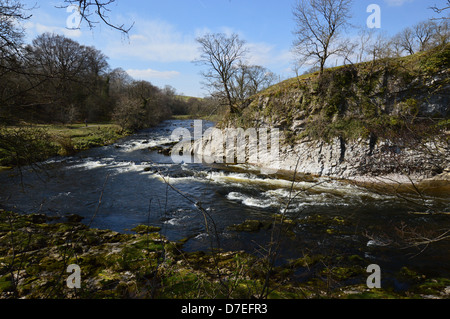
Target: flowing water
132	180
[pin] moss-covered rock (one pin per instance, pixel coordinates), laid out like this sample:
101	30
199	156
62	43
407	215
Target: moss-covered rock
35	253
248	226
145	229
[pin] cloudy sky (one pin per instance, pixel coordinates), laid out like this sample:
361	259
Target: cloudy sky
161	45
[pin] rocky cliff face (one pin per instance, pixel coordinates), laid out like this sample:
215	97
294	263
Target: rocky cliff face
382	118
360	160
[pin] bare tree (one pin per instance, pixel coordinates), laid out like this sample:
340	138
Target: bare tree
119	80
100	8
11	33
365	38
142	105
380	47
423	32
348	52
421	37
319	23
64	58
441	34
221	53
12	83
439	10
12	14
259	78
406	40
72	72
396	47
249	80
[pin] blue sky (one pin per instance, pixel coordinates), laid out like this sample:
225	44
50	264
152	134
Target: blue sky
161	45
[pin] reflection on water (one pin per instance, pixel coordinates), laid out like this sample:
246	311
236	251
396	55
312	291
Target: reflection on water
334	217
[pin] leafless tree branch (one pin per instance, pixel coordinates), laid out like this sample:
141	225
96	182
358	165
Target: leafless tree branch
100	9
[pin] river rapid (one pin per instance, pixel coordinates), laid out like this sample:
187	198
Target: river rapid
139	185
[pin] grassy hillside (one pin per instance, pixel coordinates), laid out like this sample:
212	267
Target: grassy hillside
384	98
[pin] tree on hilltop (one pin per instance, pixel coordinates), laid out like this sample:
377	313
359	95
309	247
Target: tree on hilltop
319	24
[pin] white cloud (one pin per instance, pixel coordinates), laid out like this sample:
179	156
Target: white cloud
150	74
38	28
260	53
156	41
397	3
159	41
270	56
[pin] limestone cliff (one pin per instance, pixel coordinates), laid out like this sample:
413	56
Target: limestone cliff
382	118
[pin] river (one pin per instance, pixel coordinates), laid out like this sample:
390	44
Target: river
336	218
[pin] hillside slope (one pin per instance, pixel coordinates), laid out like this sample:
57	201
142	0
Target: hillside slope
353	101
383	118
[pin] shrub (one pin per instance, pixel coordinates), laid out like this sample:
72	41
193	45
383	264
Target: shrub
25	146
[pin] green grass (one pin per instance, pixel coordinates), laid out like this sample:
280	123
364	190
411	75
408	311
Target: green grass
93	135
83	137
78	130
52	140
187	98
123	266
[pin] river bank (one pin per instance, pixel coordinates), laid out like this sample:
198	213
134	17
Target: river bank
49	140
331	231
383	121
360	162
36	251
